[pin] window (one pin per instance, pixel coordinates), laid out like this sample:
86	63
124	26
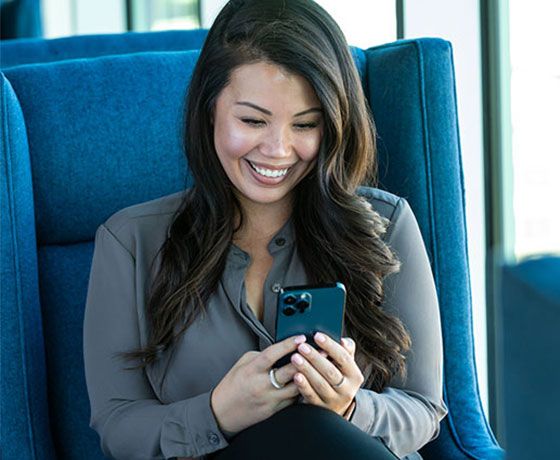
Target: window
535	120
146	15
364	24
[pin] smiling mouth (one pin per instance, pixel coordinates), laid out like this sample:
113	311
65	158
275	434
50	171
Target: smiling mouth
269	172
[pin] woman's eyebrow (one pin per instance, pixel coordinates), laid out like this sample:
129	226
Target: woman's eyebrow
268	112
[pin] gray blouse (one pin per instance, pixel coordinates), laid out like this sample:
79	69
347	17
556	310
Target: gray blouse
164	411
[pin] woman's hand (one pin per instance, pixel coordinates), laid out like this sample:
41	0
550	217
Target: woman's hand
245	395
317	377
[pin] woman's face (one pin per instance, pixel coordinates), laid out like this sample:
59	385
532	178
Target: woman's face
268	126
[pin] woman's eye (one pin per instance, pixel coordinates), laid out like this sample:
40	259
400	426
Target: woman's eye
252	121
305	126
259	123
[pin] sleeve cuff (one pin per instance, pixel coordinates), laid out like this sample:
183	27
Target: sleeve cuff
363	411
191	430
348	414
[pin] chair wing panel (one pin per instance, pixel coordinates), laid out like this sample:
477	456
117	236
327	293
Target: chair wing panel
411	89
23	397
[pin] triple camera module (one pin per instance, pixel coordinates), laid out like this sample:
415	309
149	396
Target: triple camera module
296	303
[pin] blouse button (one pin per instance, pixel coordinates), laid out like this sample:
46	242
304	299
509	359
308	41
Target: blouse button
276	287
280	241
213	439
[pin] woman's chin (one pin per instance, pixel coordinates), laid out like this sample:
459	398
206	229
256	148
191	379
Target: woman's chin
258	196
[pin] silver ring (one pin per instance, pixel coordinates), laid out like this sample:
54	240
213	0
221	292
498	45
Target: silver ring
339	384
273	380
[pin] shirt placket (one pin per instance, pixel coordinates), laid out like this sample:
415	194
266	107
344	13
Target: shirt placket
286	270
233	283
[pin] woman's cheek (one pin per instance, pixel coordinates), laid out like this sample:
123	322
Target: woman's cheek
237	143
310	147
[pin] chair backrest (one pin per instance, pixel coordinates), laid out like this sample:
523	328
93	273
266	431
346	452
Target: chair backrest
36	50
84	138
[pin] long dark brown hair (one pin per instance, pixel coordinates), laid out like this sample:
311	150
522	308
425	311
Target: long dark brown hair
328	212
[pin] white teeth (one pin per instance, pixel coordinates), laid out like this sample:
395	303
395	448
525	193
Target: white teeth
268	172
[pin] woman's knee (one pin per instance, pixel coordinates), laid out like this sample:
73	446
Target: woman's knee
305	431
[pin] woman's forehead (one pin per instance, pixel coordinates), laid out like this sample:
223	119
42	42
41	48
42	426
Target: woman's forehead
270	82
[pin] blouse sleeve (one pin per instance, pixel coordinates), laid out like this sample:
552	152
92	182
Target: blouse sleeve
131	422
406	414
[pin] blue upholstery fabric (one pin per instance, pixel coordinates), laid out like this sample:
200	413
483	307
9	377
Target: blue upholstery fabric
32	51
530	309
134	105
104	133
24	429
63	280
360	59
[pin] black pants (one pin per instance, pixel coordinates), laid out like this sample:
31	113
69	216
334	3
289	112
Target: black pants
304	431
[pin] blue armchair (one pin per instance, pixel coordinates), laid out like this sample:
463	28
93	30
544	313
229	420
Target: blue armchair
84	138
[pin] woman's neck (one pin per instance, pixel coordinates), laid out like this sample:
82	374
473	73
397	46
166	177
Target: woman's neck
260	224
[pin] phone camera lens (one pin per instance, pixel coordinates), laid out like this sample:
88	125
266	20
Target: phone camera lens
302	305
290	300
289	310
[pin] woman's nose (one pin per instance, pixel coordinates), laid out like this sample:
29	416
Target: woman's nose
276	144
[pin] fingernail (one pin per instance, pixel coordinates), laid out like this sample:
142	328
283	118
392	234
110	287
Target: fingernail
304	348
320	337
299	339
348	342
298	359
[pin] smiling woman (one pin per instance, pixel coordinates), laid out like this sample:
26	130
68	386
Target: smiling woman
267	133
183	289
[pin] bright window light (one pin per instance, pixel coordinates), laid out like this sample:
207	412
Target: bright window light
535	119
364	24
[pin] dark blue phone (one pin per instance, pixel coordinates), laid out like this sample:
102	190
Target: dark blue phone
307	310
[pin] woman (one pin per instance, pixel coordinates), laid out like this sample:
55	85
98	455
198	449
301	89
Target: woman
179	325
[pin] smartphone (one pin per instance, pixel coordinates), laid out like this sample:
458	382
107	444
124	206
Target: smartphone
307	310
